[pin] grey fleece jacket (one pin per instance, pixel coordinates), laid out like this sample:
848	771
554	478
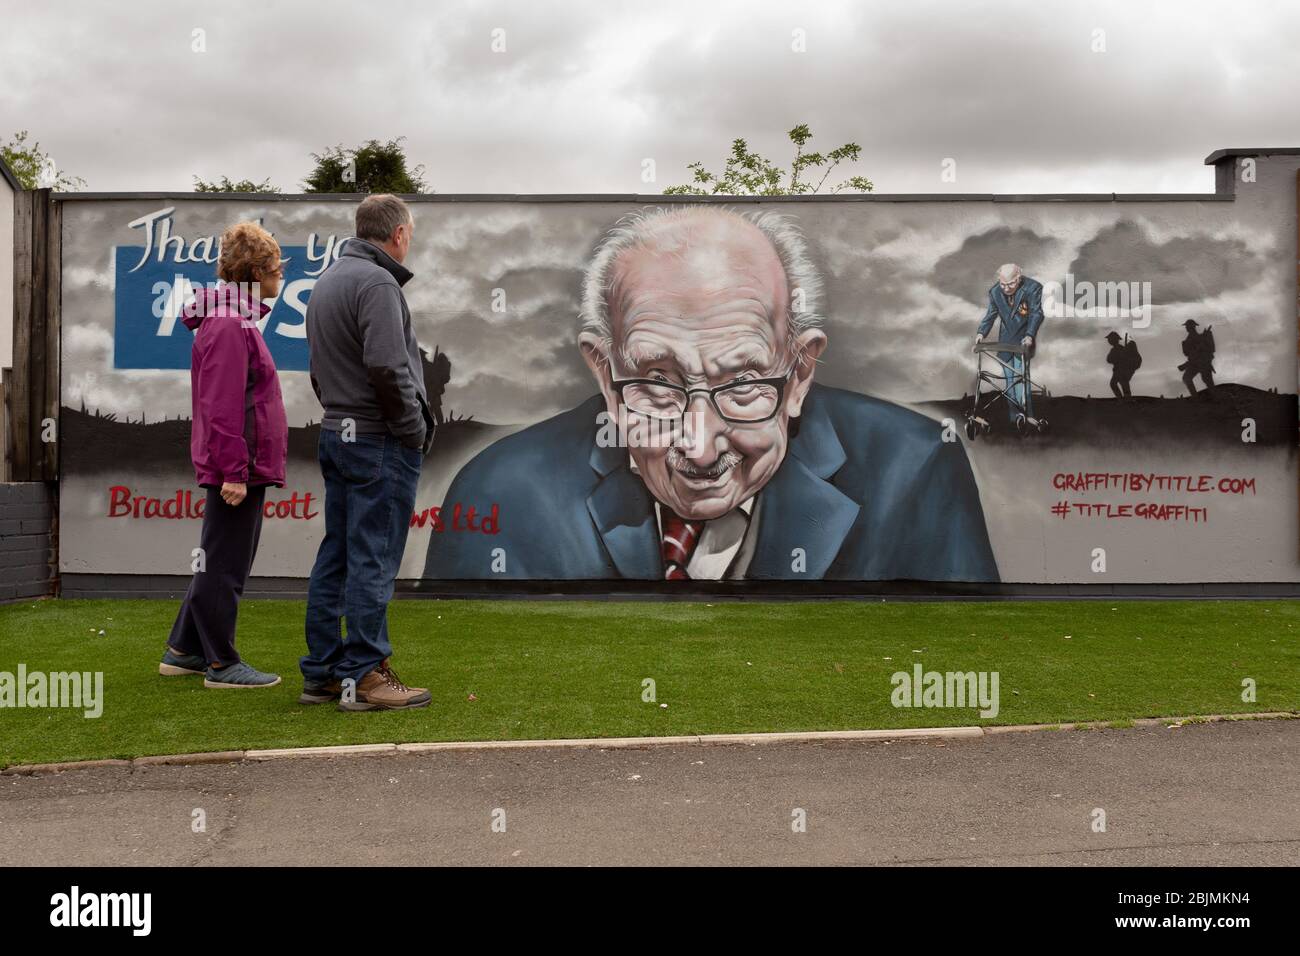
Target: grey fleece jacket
365	362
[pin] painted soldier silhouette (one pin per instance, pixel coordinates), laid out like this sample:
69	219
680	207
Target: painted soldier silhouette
1124	360
1199	349
437	373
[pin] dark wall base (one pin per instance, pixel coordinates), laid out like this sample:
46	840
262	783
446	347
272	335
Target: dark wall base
172	587
28	541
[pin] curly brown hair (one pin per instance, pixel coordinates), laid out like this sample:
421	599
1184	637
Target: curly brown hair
246	248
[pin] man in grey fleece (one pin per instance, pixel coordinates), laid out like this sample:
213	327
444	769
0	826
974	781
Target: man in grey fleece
367	371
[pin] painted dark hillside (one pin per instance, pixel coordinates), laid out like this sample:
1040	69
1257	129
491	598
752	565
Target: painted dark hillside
93	442
1212	416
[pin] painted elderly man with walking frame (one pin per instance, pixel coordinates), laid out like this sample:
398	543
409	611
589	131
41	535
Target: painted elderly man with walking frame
1016	304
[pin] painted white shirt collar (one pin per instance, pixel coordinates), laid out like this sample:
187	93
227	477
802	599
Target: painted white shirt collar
726	543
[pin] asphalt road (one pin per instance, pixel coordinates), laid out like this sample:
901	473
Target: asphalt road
1211	794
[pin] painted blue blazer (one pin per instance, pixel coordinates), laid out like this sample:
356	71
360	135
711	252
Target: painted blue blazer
868	489
1022	316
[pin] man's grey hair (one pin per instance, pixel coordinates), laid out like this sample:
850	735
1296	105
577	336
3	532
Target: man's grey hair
379	214
634	231
1009	272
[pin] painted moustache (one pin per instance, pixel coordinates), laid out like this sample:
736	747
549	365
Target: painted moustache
678	462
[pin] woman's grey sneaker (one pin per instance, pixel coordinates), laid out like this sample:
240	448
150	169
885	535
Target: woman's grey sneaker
318	693
238	676
178	665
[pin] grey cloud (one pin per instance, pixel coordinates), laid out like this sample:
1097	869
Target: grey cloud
969	272
1182	269
586	90
504	371
531	290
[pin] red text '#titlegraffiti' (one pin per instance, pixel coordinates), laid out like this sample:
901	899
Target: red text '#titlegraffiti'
1134	482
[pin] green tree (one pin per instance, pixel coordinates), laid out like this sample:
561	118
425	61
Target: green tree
34	168
373	167
746	173
225	185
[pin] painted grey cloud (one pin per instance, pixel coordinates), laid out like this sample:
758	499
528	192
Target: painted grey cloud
1181	269
968	273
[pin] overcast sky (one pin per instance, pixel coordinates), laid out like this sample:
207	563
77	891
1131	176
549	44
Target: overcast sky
1017	93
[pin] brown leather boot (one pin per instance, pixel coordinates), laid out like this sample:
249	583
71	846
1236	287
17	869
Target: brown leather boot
381	690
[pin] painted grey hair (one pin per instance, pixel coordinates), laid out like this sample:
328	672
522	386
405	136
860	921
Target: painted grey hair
1009	272
633	231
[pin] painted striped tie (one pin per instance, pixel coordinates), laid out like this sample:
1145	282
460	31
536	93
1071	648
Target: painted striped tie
679	540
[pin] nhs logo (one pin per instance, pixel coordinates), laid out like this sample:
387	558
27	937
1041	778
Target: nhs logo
154	282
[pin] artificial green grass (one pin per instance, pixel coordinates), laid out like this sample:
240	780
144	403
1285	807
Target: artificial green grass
576	669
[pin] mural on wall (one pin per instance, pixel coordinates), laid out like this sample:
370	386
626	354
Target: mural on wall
710	450
1027	392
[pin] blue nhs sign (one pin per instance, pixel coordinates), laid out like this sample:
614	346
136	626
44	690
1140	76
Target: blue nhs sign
152	284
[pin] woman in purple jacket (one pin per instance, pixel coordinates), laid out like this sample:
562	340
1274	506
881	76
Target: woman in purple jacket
238	443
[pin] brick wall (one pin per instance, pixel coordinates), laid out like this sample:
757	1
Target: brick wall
28	560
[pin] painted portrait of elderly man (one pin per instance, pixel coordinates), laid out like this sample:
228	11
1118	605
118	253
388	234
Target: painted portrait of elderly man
701	329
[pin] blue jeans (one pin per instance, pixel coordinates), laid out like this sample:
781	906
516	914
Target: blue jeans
370	486
1014	368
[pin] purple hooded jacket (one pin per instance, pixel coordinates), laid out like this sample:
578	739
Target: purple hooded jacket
239	432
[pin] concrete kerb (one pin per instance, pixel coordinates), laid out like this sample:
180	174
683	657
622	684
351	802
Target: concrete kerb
615	743
217	756
343	750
